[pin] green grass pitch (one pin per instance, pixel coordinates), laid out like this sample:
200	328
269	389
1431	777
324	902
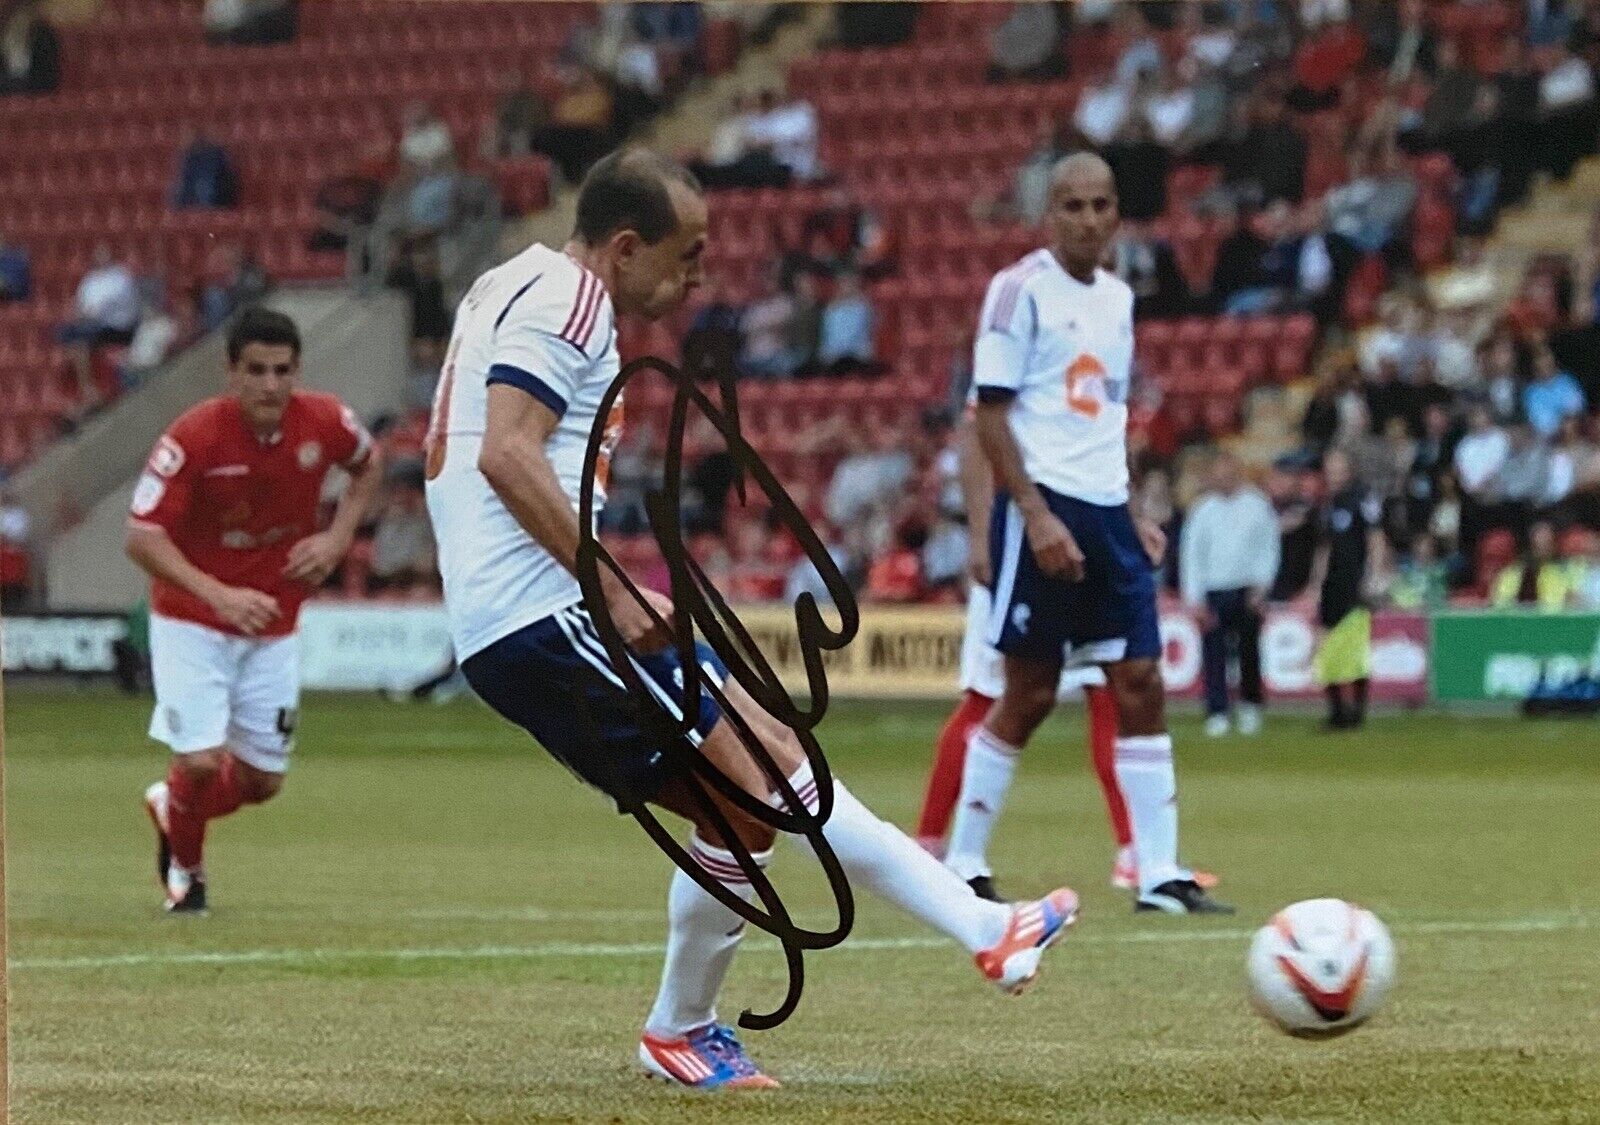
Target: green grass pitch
434	923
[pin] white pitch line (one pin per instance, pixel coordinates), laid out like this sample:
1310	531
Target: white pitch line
1543	924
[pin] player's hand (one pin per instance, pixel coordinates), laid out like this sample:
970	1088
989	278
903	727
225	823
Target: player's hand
979	568
639	630
1153	538
1054	548
1256	600
1206	618
314	558
248	611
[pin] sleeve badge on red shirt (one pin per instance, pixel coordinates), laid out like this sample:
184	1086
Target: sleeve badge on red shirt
167	457
309	454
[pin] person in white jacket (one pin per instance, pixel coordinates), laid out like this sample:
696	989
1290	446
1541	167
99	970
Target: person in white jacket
1227	559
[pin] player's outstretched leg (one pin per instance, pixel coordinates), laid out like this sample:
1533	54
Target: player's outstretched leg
944	782
1146	777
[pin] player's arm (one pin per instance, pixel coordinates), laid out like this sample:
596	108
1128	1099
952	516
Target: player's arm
316	556
161	500
514	462
999	358
977	493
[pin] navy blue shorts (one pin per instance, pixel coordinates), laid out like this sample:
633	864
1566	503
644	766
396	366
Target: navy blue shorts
1108	616
554	680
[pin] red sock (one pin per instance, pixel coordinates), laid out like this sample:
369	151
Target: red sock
944	783
1102	709
190	805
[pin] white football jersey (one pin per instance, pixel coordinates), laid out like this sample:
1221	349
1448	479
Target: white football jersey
1065	350
542	323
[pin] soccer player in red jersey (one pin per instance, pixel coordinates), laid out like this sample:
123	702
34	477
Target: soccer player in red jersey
224	520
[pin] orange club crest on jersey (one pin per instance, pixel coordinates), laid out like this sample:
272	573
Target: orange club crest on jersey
1086	385
608	444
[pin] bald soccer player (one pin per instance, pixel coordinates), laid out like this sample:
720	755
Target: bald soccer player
1074	570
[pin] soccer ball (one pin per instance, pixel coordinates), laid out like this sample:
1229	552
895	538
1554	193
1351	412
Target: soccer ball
1321	967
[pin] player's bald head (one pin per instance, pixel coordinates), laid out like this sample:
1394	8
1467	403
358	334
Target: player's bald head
1083	211
1085	171
635	189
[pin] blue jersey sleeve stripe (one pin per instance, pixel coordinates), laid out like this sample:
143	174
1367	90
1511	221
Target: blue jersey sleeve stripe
505	312
529	382
990	395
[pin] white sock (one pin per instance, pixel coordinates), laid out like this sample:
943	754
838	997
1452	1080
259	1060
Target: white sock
880	857
702	935
1144	774
985	779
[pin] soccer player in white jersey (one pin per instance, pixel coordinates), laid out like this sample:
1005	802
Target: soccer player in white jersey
1074	573
533	352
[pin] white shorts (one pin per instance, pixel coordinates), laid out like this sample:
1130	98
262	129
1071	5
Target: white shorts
215	689
983	668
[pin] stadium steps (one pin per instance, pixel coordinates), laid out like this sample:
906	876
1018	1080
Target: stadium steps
687	125
78	490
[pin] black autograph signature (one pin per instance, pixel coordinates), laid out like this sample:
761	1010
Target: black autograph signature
697	604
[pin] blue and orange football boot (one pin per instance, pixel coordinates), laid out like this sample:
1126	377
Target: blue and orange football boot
707	1058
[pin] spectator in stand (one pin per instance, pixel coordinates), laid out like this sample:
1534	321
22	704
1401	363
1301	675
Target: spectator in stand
895	576
636	468
1422	580
1539	578
1267	160
1150	268
1238	260
709	479
1228	560
205	176
767	328
1169	109
804	577
1551	396
1586	590
788	131
1325	60
520	115
16	272
250	21
152	340
1430	462
1139	166
232	279
676	27
848	322
1502	377
872	472
1567	112
1390	399
1478	458
869	24
758	570
105	314
1102	110
1372	207
1027	44
404	559
1397	338
1509	498
582	122
715	338
852	236
733	159
415	272
1402	42
347	201
30	52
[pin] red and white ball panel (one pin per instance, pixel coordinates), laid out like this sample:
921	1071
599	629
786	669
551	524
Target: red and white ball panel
1321	967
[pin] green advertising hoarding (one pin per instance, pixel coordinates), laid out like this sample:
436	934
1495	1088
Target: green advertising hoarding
1500	655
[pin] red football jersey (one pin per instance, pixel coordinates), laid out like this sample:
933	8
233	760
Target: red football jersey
235	504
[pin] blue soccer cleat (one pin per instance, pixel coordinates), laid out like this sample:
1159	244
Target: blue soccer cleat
706	1058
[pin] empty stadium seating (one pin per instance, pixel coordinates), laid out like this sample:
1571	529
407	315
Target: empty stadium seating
103	150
